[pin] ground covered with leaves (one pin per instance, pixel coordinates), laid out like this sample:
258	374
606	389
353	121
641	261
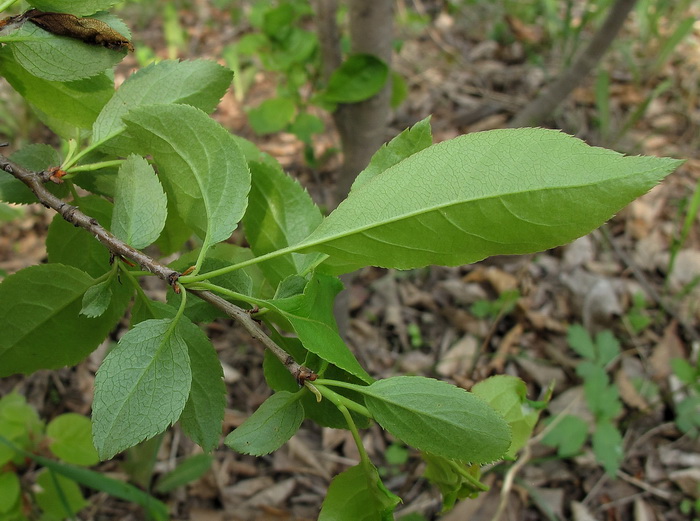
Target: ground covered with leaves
632	286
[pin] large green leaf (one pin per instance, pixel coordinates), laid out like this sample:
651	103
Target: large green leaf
311	315
358	494
499	192
199	164
40	322
140	205
280	213
60	58
270	427
141	387
76	7
199	83
75	103
437	417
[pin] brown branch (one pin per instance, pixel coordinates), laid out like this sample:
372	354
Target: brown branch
36	180
552	96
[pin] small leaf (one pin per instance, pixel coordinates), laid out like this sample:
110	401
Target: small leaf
568	436
409	142
452	478
607	446
40	322
57	58
280	213
607	347
437	417
271	115
141	386
35	157
358	78
358	494
96	299
505	191
267	429
76	7
207	177
140	205
58	496
186	472
199	83
9	491
581	342
305	125
70	439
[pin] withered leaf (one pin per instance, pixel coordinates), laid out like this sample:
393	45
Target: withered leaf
88	30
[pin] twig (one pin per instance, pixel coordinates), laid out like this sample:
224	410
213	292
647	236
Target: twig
35	181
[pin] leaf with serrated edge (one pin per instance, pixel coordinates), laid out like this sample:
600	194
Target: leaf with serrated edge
355	495
59	58
437	417
40	322
75	103
76	7
141	386
199	83
311	316
409	142
280	213
96	299
140	205
499	192
199	164
276	420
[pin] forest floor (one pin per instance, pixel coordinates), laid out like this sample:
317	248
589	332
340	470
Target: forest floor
506	315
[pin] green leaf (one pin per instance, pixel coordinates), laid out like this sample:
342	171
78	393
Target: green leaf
581	342
76	7
140	205
40	322
607	446
454	479
305	125
70	439
311	316
437	417
189	470
35	157
175	233
97	298
60	58
410	141
508	395
267	429
607	347
358	494
280	213
9	491
601	397
66	244
272	115
568	436
141	387
199	83
76	103
499	192
9	213
358	78
58	496
19	424
207	177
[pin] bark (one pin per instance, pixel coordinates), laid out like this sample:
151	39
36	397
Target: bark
548	100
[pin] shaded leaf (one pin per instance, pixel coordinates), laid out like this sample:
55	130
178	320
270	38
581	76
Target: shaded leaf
35	157
76	7
70	439
96	299
272	115
187	471
58	496
358	78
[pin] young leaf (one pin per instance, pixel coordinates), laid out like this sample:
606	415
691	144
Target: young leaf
66	244
270	427
141	386
187	471
311	316
9	491
454	479
58	496
35	157
409	142
207	177
140	205
437	417
76	7
358	78
41	326
358	494
199	83
70	438
568	436
488	193
76	103
57	58
607	446
280	213
272	115
96	299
